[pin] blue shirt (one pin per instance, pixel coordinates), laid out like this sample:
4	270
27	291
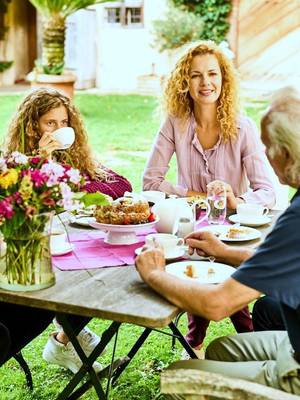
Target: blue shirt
275	268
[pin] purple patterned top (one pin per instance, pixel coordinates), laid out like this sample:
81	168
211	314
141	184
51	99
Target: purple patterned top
115	185
241	162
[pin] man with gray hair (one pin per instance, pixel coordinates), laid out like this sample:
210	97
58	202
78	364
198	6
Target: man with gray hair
271	358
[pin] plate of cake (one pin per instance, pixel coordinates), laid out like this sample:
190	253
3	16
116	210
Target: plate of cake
200	271
233	233
122	218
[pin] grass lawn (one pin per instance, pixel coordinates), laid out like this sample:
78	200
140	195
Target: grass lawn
121	130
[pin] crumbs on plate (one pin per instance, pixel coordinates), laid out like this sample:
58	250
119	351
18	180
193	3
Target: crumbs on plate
237	233
190	271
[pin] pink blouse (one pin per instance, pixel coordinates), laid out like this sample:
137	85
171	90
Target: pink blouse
239	162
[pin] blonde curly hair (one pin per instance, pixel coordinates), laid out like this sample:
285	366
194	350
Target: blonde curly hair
178	101
24	135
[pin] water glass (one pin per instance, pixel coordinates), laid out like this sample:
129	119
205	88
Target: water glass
216	197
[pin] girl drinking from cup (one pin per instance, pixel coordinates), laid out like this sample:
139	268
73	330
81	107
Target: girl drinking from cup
46	123
212	144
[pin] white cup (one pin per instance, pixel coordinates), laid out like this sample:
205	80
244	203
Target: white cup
153	196
65	136
58	239
251	210
167	241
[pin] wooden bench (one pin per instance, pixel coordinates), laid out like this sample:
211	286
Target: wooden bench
201	385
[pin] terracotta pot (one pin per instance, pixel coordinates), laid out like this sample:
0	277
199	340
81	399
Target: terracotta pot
64	83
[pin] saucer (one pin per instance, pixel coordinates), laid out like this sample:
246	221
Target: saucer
176	253
251	220
60	251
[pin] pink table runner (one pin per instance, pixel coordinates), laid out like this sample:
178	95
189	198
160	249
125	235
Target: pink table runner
90	252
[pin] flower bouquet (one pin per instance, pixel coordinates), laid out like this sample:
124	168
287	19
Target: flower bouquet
32	189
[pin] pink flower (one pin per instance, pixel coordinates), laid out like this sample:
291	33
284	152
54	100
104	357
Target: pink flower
17	198
6	208
38	178
35	160
74	175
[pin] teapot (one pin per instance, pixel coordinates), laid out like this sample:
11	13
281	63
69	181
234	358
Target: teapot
170	210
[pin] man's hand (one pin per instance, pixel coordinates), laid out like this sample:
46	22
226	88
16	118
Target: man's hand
151	259
206	244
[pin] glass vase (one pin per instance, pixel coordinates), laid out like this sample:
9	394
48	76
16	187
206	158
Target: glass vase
25	259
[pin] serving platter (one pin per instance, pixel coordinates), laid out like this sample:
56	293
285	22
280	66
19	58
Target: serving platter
122	234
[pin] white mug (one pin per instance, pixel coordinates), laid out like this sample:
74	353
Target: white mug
167	241
65	136
58	238
251	210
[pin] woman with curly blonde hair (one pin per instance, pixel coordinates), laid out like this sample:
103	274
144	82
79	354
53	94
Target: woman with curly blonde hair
40	114
31	130
212	142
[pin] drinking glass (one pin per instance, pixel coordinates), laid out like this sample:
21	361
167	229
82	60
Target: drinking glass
216	197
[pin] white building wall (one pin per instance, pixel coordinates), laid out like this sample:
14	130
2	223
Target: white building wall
126	52
81	47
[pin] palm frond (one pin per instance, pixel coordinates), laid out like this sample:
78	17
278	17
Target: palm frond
62	7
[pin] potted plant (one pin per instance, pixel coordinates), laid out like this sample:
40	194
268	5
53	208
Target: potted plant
51	71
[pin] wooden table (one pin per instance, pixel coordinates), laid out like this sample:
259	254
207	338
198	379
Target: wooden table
116	294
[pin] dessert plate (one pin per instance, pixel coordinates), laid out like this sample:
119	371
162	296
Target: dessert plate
60	251
122	234
224	231
205	271
178	252
251	220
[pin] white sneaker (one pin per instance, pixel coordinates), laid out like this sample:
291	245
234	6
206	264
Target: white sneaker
64	355
88	340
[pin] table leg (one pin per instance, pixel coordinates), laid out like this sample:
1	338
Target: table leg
87	362
178	335
131	354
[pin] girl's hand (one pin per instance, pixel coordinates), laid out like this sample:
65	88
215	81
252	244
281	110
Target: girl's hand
48	144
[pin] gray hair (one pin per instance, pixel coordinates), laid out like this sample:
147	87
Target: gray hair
282	123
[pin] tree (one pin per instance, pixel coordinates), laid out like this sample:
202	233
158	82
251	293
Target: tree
54	13
214	14
178	28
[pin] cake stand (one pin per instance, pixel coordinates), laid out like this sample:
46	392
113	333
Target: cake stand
122	234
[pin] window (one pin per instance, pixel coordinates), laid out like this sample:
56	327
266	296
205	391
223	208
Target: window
126	13
113	15
133	15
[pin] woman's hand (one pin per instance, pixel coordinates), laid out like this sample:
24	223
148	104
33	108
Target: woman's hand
206	244
48	144
231	200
